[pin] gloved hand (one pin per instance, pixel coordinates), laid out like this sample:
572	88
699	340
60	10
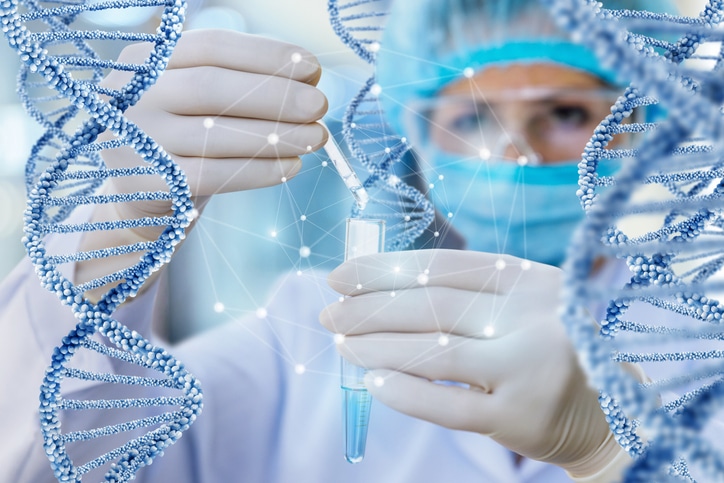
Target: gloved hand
489	322
213	110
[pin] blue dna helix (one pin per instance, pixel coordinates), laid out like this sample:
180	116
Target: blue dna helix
60	85
368	136
661	216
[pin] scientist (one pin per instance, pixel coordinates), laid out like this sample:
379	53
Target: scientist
272	400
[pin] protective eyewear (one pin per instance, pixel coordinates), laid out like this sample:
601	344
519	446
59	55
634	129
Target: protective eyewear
529	126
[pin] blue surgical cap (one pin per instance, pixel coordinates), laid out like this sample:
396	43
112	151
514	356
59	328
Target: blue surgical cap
429	43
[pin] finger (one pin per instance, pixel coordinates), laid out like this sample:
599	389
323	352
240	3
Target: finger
214	91
432	356
228	137
245	52
209	176
449	406
463	269
422	309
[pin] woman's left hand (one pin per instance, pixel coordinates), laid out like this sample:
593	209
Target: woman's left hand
485	321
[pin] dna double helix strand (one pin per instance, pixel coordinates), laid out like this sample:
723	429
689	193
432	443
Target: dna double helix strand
359	24
59	84
661	216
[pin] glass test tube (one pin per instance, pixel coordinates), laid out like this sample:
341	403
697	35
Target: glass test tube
363	237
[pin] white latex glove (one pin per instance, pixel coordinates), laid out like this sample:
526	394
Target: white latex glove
489	322
250	87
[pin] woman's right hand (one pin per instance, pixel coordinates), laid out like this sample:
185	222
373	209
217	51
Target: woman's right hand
212	110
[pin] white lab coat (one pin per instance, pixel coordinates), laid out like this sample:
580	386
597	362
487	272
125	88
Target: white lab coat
261	423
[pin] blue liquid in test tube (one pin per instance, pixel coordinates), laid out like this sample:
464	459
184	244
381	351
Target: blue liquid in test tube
363	237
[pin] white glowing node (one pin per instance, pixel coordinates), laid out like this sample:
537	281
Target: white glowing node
440	177
468	72
485	154
299	273
431	186
489	331
341	299
274	234
273	138
218	307
403	139
261	313
525	265
443	340
325	164
299	369
422	279
436	234
396	269
500	264
376	89
359	286
296	57
284	179
379	381
309	149
393	180
353	125
208	123
392	294
304	252
374	47
303	217
522	160
449	214
388	150
193	214
407	218
339	339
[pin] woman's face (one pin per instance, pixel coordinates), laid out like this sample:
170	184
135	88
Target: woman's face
535	113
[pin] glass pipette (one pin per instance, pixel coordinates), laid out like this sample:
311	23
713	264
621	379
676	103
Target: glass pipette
344	168
363	237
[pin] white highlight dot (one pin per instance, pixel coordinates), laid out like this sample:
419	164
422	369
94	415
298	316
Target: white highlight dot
339	339
485	154
274	234
449	214
392	294
422	279
525	265
436	234
396	269
403	139
208	123
500	264
426	271
341	299
443	340
407	218
273	138
261	313
299	273
431	186
522	160
440	177
376	89
374	47
303	217
388	150
324	164
379	381
468	72
309	149
393	180
284	179
304	252
296	57
489	331
359	286
299	369
218	307
353	125
193	214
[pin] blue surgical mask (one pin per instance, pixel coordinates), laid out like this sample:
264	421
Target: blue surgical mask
501	207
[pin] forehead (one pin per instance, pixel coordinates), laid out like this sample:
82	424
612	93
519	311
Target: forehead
523	76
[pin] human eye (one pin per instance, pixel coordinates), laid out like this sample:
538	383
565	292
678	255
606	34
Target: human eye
471	120
571	116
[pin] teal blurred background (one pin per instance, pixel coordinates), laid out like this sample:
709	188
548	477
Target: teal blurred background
245	240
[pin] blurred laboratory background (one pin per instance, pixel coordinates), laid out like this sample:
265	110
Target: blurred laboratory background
245	240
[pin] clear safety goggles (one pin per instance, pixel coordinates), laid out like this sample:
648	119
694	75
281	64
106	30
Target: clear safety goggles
533	126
